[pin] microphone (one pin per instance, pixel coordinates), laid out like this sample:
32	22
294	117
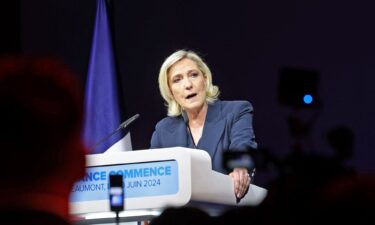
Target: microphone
186	120
122	126
128	122
185	117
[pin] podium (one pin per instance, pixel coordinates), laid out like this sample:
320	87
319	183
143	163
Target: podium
155	179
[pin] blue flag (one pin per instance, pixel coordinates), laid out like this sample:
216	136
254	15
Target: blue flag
102	106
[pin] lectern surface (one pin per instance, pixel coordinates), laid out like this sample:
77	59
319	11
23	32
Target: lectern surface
155	179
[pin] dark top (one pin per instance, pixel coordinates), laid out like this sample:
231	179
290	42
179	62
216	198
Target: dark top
228	126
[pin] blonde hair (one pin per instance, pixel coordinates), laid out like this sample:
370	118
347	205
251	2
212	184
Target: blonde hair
212	91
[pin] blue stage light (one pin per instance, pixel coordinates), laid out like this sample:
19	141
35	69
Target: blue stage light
308	99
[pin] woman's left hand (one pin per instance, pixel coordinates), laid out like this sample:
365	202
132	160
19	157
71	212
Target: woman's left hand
241	180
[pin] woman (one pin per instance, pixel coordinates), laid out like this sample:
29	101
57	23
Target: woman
197	119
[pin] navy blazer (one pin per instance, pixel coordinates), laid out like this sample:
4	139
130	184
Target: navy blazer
228	126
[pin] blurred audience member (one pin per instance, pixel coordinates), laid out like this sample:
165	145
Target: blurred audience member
347	200
186	215
41	150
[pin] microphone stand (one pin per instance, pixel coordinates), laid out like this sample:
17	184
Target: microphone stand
117	218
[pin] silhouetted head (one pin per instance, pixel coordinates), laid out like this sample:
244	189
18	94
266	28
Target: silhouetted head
41	118
182	216
341	139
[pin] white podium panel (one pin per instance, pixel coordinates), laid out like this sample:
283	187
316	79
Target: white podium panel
155	179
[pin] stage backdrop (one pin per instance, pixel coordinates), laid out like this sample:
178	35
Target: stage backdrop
245	43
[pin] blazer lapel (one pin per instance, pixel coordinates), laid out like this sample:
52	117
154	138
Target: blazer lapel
213	129
176	134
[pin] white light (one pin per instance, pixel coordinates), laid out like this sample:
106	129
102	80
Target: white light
129	213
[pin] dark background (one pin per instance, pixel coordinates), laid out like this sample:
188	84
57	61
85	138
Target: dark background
245	43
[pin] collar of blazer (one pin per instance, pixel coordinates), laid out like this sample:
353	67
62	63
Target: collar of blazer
212	131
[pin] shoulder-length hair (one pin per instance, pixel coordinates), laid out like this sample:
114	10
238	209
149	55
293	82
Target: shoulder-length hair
212	91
